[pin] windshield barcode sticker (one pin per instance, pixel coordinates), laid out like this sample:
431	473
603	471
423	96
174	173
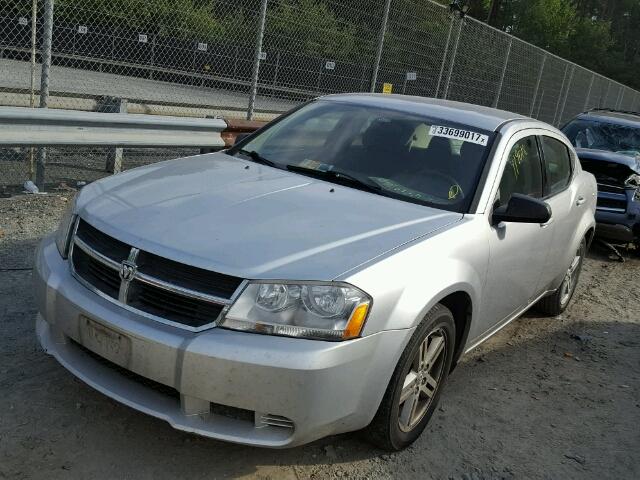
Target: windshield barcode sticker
458	134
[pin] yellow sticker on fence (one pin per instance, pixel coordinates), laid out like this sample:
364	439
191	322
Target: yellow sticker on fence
387	87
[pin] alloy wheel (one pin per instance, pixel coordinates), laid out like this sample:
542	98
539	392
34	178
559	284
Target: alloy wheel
570	279
422	380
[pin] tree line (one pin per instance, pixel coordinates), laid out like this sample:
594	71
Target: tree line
602	35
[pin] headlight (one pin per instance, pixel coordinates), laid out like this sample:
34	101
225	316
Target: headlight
63	234
634	182
326	311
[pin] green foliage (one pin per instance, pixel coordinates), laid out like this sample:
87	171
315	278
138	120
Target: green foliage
547	23
603	35
309	26
589	43
178	18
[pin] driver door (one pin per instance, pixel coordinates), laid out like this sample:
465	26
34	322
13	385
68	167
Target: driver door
518	251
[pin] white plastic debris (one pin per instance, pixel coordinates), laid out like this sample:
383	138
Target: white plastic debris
30	187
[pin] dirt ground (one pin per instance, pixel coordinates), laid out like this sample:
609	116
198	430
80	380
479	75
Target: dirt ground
546	398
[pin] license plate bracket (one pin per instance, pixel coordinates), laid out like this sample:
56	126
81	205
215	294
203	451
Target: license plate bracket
104	341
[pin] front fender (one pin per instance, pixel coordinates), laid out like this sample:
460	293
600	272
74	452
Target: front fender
406	284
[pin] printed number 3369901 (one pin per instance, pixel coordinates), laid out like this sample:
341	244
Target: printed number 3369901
458	134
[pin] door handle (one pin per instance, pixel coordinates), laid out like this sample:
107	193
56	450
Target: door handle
580	200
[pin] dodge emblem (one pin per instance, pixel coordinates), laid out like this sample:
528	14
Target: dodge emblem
127	270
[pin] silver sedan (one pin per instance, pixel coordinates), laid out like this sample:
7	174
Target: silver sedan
323	275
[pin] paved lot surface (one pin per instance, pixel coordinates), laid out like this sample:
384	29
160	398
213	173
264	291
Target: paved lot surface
15	74
551	398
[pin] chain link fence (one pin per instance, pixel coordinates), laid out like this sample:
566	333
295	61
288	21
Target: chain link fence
262	57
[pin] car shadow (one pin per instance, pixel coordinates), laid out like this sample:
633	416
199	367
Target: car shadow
602	251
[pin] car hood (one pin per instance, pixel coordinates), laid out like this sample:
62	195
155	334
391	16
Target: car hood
609	168
630	161
244	219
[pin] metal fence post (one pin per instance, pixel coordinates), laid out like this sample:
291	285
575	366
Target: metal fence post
44	84
116	154
586	100
540	105
34	27
32	96
606	94
444	59
564	79
502	75
620	98
256	59
566	94
535	92
453	60
383	31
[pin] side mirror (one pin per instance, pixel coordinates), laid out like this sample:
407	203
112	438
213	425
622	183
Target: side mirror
522	209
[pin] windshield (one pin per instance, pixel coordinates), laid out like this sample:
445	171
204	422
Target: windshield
411	157
597	135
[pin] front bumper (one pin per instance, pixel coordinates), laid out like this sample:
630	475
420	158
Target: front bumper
618	227
233	386
618	224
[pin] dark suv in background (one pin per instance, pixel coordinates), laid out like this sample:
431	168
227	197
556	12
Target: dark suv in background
608	145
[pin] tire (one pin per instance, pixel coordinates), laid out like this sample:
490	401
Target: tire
558	301
395	426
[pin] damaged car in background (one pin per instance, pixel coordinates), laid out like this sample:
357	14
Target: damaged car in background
323	275
608	145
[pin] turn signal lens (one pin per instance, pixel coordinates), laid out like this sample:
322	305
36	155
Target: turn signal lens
356	322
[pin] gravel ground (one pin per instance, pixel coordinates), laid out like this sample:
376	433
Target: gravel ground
543	399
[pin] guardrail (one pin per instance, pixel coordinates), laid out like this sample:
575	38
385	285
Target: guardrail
43	127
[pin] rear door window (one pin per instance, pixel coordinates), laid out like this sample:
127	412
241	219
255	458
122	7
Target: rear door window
557	164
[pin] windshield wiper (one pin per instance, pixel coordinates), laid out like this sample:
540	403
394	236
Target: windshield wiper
339	177
256	157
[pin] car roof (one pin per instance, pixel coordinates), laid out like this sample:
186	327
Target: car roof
476	116
612	116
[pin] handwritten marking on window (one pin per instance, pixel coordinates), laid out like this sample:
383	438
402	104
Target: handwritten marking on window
517	157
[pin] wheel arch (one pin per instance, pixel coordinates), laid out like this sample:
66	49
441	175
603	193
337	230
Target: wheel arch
461	307
589	235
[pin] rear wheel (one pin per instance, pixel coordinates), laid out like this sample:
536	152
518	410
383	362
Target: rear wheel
557	302
414	389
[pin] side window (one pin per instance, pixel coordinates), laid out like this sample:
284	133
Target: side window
523	171
557	164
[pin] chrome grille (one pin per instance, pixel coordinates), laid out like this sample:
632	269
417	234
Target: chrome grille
165	290
95	272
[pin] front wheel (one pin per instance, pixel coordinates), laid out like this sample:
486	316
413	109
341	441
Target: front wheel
414	389
557	302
